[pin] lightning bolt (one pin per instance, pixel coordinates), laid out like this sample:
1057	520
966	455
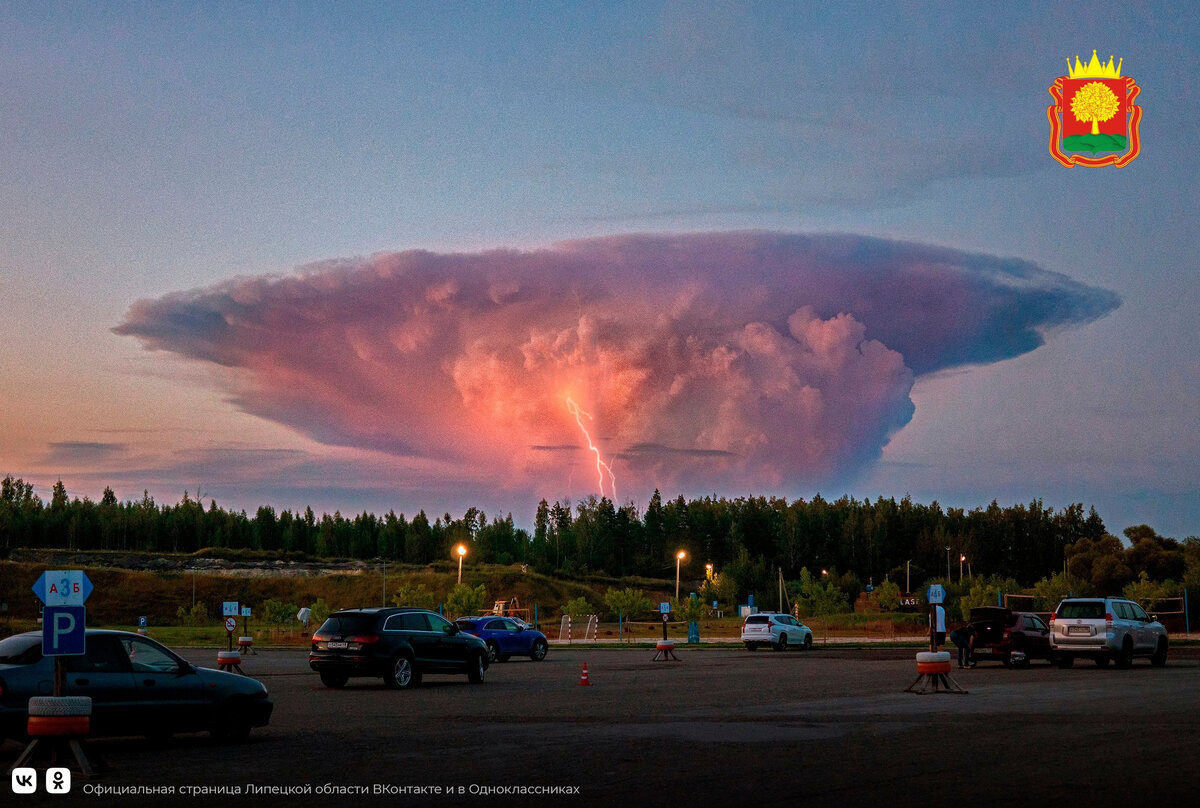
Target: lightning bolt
601	466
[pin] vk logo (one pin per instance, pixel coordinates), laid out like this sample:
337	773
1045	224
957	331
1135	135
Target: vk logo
24	781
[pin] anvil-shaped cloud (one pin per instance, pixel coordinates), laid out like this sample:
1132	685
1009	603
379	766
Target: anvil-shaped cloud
743	362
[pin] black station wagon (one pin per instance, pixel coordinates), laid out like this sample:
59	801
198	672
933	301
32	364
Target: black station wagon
399	644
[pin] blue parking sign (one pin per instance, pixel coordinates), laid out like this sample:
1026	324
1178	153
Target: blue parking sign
63	630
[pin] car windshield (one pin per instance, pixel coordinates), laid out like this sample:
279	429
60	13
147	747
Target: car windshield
21	650
1081	610
348	624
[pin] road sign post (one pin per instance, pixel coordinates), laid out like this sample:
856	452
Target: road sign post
64	619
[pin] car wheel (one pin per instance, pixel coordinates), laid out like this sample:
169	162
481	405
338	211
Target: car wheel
807	642
493	652
475	672
330	679
1101	661
1065	660
782	644
1125	658
1159	660
1006	660
538	652
751	646
402	674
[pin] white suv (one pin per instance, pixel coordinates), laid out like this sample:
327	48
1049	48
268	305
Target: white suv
1104	629
775	629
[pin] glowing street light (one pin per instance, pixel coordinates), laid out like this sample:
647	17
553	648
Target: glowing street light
961	559
462	551
678	560
708	571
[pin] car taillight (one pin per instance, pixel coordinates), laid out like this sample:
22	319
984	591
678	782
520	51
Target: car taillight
1108	619
319	638
365	639
1053	617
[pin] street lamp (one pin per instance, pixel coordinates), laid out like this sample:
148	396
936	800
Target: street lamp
961	559
462	551
678	560
947	563
708	571
908	577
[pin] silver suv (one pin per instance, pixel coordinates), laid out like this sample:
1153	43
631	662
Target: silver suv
1105	629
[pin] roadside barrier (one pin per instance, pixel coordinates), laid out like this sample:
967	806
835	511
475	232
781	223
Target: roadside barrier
229	661
59	721
933	675
666	651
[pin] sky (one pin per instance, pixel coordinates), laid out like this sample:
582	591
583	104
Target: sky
429	256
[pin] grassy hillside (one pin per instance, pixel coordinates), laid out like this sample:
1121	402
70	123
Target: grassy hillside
122	595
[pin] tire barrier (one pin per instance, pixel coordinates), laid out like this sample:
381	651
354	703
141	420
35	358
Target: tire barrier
933	674
55	722
665	651
229	661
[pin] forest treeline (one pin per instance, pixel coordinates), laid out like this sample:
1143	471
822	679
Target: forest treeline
750	539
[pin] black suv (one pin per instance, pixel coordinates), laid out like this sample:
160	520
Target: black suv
399	644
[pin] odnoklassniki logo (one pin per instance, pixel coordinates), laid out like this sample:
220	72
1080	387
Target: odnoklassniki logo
1094	114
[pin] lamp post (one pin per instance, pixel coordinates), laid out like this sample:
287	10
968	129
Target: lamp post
908	577
462	551
961	559
708	571
678	560
947	563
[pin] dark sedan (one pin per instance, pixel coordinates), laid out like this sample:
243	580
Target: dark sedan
137	687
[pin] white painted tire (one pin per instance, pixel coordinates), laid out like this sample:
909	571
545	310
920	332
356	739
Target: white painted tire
60	705
933	656
228	657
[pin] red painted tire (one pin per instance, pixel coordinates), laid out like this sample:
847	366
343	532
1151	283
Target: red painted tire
664	645
229	658
933	667
43	726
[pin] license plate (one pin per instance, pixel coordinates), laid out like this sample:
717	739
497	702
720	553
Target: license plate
337	646
1086	631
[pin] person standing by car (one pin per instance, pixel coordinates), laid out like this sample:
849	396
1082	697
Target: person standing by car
939	627
964	638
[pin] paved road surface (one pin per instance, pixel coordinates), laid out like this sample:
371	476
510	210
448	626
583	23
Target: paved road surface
724	727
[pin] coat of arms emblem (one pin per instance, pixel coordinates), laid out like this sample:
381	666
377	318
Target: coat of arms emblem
1094	121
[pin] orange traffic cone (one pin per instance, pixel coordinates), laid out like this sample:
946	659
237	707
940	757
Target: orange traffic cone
583	677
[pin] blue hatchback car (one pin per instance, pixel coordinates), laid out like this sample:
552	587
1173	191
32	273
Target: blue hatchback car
506	636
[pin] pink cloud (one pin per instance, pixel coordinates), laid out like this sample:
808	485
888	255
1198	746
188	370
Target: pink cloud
745	362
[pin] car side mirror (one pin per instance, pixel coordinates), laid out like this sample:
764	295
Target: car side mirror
520	628
451	629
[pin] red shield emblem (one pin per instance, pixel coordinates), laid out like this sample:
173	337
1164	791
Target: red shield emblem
1094	121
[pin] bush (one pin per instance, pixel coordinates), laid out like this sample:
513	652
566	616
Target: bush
411	594
197	615
463	600
578	607
625	603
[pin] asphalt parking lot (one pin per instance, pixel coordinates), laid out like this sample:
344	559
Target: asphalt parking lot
720	727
